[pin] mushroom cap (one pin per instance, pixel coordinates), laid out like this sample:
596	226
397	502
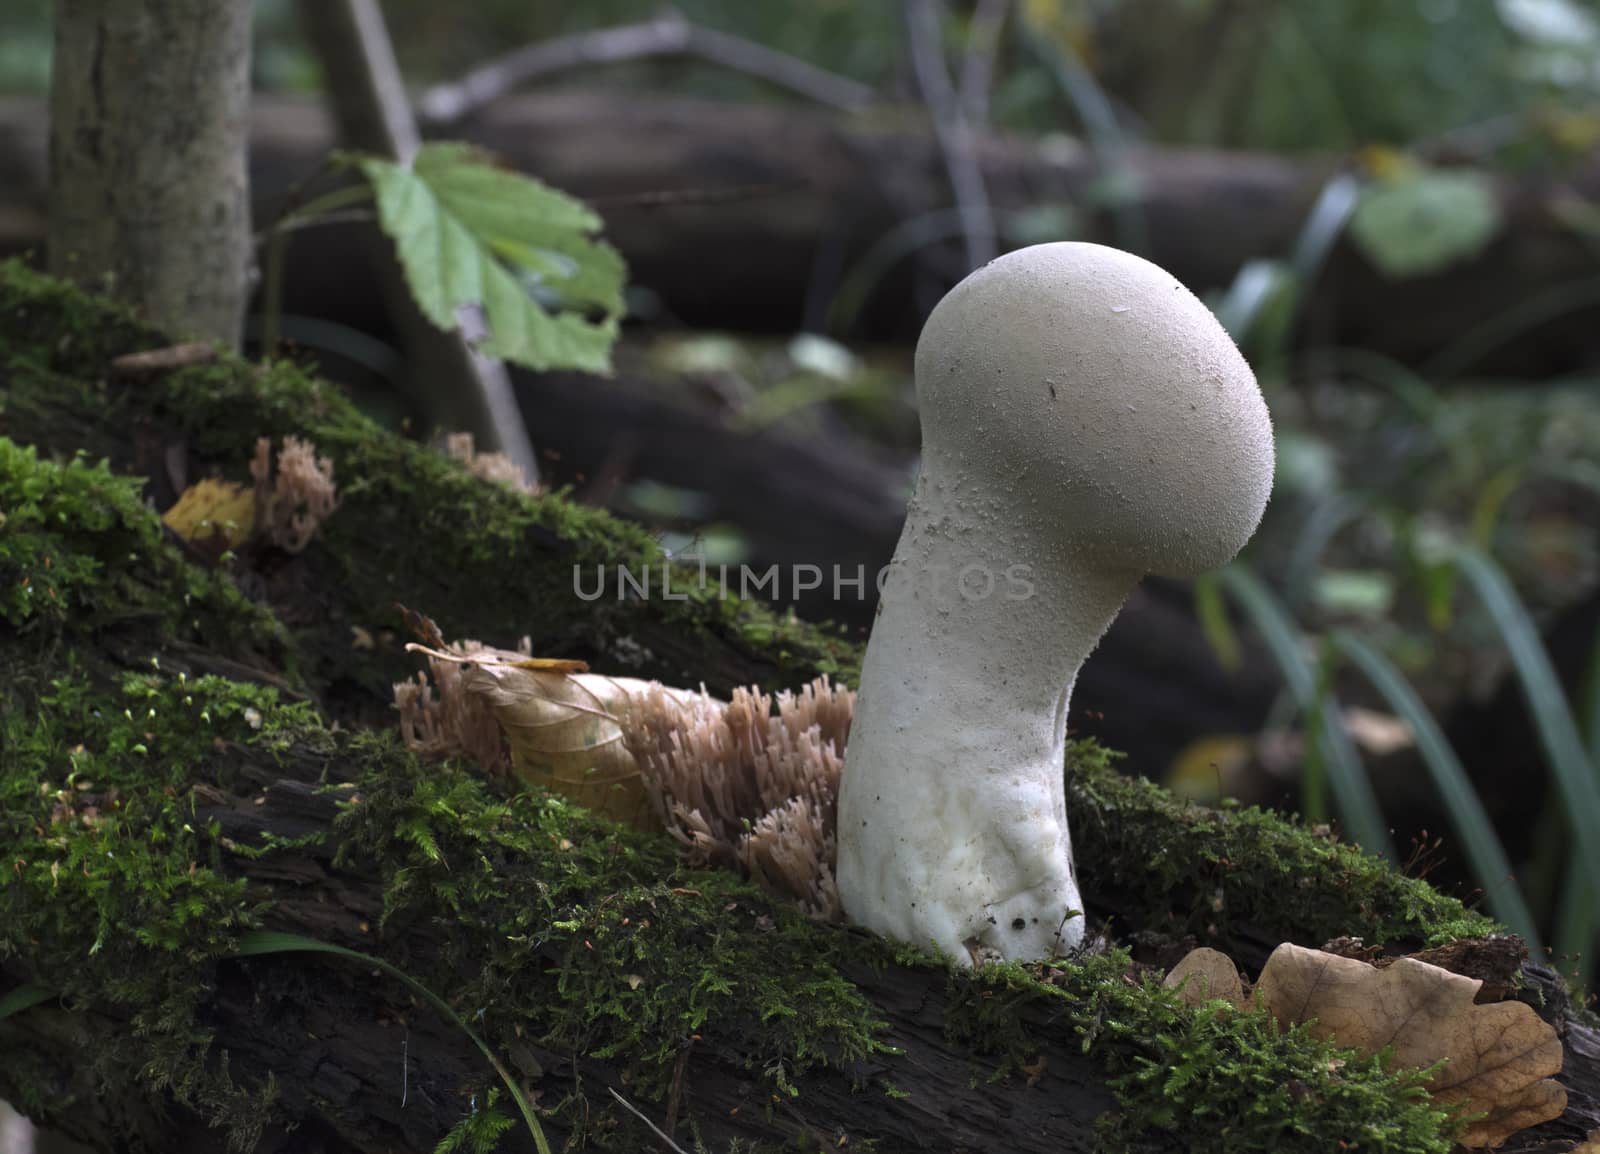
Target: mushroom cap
1104	400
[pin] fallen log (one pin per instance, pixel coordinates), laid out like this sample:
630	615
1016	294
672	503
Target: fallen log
174	788
753	217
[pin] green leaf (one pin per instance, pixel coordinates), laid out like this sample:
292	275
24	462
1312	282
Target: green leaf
1358	805
470	233
22	998
1213	617
1483	850
1423	221
1575	775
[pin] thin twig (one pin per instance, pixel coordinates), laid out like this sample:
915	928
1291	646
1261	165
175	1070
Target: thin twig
1107	141
370	104
977	63
300	223
952	130
654	1129
675	1094
669	35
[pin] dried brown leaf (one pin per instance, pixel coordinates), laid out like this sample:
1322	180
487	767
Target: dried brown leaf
1204	974
566	734
1500	1057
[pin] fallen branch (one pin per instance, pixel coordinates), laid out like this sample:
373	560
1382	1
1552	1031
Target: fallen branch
669	35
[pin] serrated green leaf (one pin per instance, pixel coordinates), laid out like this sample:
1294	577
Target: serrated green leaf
1423	220
470	234
577	270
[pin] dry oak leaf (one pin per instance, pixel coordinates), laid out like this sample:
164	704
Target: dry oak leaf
1205	974
1500	1057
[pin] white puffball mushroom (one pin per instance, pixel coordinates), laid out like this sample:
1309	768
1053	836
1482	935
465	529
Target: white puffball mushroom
1085	421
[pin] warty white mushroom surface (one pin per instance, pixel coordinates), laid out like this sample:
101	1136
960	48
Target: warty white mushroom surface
1085	421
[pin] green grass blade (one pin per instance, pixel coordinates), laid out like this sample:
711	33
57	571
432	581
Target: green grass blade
1578	917
22	998
1213	617
1472	825
1348	777
263	942
1576	924
1558	733
1317	530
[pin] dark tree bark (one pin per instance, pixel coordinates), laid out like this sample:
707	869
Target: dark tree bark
149	115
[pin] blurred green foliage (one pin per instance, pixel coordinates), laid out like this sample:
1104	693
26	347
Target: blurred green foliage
1510	78
24	45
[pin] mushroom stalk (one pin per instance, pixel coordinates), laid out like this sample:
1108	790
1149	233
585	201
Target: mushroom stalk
1085	421
989	679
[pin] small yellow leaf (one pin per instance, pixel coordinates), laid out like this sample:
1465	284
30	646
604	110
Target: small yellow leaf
1210	768
634	981
551	665
213	515
1385	163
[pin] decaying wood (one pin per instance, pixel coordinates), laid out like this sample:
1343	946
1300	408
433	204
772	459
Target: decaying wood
341	1045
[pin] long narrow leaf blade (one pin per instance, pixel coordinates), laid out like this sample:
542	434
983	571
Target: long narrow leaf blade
1483	849
1352	792
1575	774
261	942
22	998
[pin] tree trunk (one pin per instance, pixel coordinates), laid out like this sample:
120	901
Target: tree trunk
149	124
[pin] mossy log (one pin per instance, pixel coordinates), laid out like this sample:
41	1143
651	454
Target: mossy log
193	756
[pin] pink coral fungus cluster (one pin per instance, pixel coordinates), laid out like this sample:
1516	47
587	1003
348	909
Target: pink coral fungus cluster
290	506
748	784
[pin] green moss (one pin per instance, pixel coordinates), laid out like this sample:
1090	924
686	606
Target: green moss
81	556
1228	875
414	527
480	1131
52	325
116	896
1211	1078
598	940
589	938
